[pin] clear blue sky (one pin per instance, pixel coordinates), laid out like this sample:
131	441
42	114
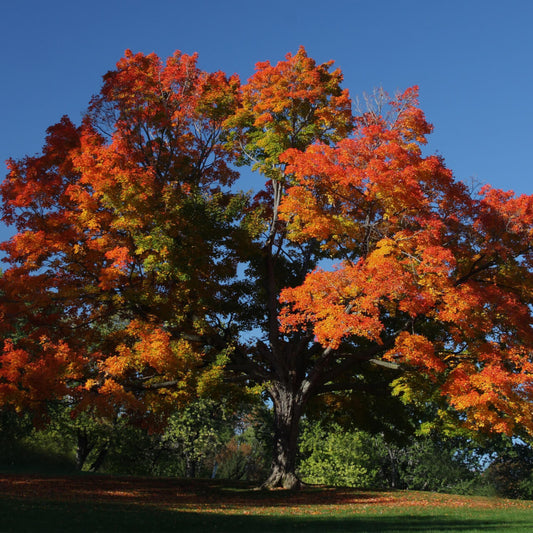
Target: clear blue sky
471	59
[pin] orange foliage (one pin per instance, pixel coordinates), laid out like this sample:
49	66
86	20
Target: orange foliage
122	276
117	224
440	275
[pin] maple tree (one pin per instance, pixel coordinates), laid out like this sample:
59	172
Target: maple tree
140	277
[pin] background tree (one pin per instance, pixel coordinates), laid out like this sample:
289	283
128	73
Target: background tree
511	469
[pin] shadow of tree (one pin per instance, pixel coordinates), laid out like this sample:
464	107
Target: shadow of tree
116	504
47	516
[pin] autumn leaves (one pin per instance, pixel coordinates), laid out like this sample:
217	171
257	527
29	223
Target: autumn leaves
125	279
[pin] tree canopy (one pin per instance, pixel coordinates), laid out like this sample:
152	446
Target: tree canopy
140	276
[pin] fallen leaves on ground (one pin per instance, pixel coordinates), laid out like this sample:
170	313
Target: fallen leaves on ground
231	498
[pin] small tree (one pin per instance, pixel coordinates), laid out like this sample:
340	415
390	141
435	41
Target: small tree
511	471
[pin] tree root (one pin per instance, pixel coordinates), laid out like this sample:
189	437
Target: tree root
282	480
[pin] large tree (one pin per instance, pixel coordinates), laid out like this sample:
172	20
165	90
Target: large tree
139	275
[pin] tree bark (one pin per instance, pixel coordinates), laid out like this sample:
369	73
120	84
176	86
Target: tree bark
83	448
102	454
288	408
190	467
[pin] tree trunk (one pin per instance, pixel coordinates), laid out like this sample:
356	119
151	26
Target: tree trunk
102	454
83	448
190	467
394	467
288	408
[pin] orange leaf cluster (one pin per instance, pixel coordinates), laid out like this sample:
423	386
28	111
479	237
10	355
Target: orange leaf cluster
118	222
442	276
123	290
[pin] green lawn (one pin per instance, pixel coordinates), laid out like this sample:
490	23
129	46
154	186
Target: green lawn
101	503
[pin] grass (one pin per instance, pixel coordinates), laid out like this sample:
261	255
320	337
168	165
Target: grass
115	504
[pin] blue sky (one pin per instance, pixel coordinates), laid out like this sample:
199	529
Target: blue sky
471	59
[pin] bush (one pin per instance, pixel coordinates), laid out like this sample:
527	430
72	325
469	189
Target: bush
26	449
332	456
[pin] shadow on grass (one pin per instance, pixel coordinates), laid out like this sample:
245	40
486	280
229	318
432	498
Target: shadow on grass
34	515
175	492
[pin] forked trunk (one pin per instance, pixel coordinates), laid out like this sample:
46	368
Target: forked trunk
287	413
